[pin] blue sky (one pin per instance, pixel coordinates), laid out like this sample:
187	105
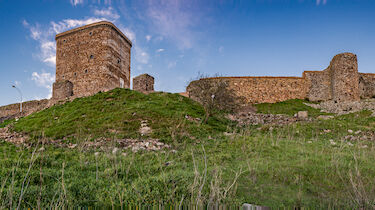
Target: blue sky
173	40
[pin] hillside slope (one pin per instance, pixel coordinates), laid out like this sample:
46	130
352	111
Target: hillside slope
317	164
119	114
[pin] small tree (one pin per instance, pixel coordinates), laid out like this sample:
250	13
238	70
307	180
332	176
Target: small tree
214	94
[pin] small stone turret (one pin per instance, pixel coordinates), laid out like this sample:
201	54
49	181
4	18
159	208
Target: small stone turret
143	83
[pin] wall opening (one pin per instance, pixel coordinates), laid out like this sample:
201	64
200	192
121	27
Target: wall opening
122	83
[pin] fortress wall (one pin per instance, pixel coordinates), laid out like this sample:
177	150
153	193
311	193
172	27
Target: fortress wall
344	77
366	85
318	85
28	107
266	89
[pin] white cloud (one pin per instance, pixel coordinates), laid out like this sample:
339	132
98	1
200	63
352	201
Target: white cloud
141	55
108	13
76	2
47	47
67	24
128	33
148	37
44	80
160	50
25	23
173	20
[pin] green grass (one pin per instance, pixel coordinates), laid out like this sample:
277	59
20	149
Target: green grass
289	107
290	166
118	114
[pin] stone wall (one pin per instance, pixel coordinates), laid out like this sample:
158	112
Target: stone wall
28	107
339	82
93	58
367	85
143	83
264	89
318	85
62	89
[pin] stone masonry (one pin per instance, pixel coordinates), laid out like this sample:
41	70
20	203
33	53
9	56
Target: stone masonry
339	82
89	59
143	83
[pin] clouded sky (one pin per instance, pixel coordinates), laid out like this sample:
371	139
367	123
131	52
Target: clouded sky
173	40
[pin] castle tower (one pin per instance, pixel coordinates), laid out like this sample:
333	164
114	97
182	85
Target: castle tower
91	58
345	78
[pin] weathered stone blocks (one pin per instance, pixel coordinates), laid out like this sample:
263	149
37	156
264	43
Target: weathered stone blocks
339	82
94	58
62	89
344	77
143	83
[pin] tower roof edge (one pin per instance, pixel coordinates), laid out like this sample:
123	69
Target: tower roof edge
93	25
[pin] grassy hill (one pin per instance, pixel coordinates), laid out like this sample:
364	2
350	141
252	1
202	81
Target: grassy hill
319	164
119	113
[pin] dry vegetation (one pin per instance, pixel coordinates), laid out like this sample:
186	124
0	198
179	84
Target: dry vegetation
305	164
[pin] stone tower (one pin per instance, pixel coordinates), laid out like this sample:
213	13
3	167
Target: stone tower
345	78
91	58
143	83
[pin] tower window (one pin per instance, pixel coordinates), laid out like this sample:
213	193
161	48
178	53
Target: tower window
90	33
91	56
86	71
118	61
64	40
75	73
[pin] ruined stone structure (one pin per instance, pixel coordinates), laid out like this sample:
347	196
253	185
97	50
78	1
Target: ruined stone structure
89	59
143	83
27	108
339	82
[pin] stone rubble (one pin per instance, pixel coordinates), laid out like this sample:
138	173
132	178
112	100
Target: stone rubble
250	118
144	129
103	143
345	107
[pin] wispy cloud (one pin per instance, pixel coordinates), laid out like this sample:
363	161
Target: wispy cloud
128	33
172	64
67	24
172	19
109	13
141	55
323	2
160	50
148	37
44	80
47	47
76	2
